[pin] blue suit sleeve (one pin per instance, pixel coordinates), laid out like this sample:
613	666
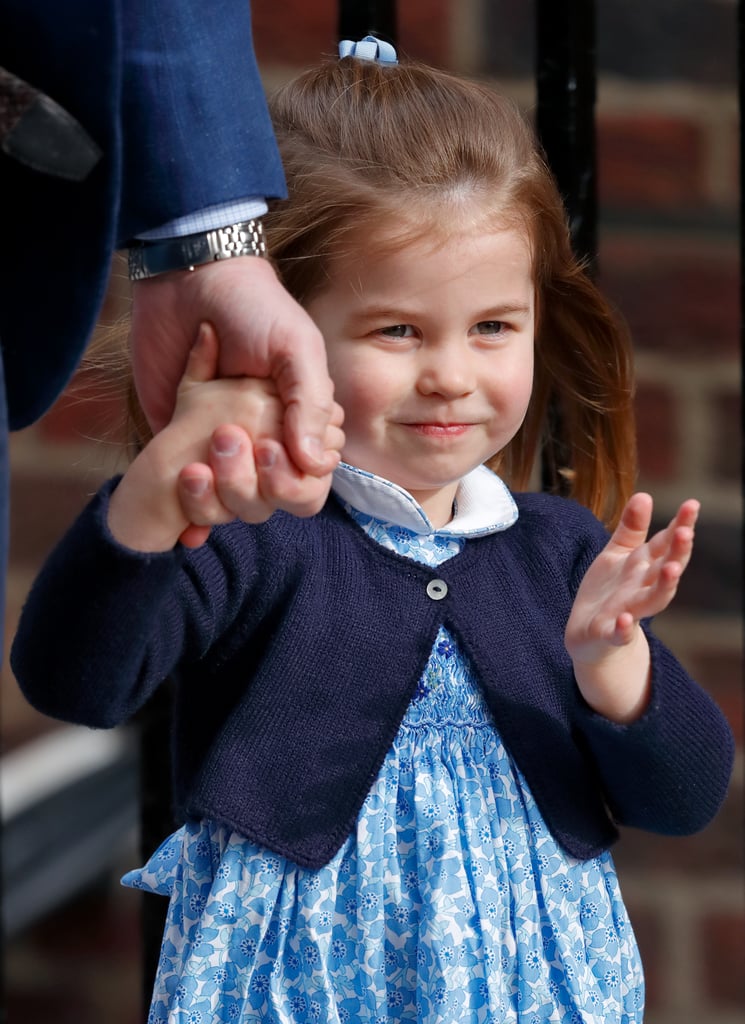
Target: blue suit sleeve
196	129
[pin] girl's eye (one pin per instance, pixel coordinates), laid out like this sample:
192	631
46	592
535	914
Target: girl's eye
490	327
397	331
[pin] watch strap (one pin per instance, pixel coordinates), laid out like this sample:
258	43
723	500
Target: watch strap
150	258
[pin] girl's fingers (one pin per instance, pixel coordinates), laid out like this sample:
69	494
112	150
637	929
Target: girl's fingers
194	536
675	542
654	569
636	517
284	486
199	502
688	512
233	463
201	363
250	481
656	590
623	629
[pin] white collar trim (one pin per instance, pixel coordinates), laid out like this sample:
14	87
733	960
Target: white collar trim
483	503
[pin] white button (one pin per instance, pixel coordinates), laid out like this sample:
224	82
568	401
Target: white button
437	589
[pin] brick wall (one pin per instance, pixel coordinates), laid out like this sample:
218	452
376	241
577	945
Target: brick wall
668	163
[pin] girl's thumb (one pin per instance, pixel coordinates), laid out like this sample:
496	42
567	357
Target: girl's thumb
201	364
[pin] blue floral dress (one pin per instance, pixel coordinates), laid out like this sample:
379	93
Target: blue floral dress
451	903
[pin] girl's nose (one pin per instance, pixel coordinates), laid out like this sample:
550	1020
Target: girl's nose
446	371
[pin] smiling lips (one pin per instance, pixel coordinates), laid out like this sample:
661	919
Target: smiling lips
440	429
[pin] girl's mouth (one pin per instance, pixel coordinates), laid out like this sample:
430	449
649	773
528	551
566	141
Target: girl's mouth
440	429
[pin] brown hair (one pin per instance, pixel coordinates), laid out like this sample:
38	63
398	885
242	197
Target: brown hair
415	147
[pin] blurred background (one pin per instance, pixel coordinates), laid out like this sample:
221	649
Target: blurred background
668	147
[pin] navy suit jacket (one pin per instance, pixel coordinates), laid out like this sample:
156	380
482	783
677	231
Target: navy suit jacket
171	94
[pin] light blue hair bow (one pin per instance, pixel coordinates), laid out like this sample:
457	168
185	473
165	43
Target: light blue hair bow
369	48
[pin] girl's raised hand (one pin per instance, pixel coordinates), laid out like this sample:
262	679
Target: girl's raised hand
633	577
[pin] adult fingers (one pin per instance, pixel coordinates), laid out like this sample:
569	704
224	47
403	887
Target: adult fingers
334	440
307	394
337	416
297	359
161	337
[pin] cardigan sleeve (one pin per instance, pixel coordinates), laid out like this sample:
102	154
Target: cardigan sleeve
103	626
667	772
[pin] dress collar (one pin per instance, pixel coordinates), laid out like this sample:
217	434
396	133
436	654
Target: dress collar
483	504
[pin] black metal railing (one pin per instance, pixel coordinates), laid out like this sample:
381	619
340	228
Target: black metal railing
358	18
565	111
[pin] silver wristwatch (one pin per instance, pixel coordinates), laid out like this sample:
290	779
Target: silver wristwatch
147	259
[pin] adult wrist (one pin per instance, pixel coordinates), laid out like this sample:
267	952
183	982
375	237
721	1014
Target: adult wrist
186	252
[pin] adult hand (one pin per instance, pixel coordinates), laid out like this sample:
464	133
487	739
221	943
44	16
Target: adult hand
263	332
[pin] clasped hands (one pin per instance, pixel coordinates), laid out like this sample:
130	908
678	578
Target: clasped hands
246	471
269	349
222	455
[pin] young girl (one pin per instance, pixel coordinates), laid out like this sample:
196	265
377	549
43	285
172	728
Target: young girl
405	728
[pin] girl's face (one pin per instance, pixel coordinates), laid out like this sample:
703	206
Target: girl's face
431	354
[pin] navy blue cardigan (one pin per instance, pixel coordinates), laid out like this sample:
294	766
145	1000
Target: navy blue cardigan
296	646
